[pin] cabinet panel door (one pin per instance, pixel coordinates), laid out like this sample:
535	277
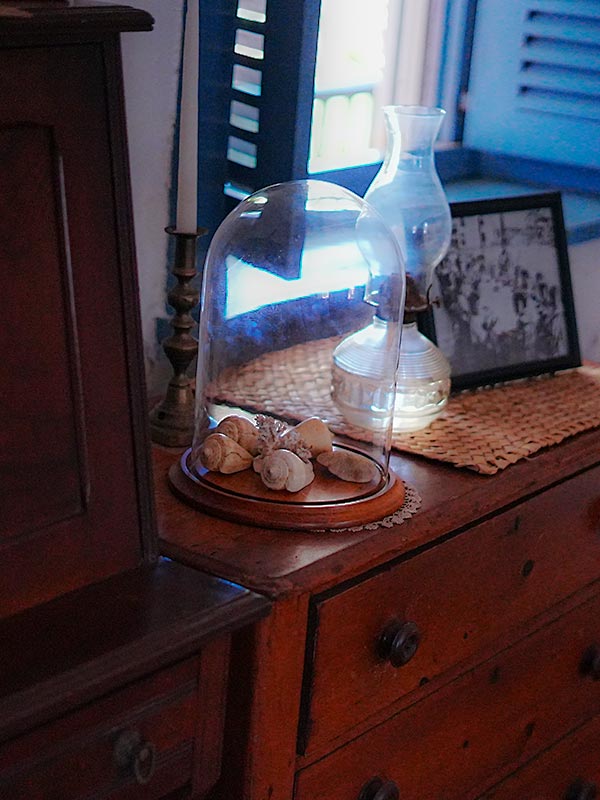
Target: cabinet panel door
44	462
72	507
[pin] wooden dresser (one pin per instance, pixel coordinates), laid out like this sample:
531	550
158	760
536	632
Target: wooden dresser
456	655
113	662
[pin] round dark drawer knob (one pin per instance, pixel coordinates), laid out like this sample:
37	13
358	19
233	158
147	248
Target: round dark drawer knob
590	663
378	789
581	790
132	753
399	642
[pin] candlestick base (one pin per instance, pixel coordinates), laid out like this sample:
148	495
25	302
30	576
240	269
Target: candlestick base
172	419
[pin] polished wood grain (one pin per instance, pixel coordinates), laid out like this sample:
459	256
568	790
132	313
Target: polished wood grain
76	647
325	488
75	756
327	502
114	663
489	720
278	562
210	722
561	773
43	444
74	458
39	20
64	663
262	715
500	558
449	593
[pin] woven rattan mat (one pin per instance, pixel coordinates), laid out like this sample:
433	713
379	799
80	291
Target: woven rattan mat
484	430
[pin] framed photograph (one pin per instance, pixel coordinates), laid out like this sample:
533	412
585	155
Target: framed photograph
505	300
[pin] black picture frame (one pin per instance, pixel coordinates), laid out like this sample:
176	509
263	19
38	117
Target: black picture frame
504	302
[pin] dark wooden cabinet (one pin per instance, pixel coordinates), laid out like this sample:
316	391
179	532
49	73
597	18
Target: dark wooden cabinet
113	662
453	656
75	505
118	689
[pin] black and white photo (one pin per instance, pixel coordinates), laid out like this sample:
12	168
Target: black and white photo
505	306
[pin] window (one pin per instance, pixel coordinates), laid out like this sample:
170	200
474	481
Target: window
307	81
519	79
368	57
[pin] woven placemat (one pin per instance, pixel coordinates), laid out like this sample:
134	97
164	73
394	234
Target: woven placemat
485	430
488	429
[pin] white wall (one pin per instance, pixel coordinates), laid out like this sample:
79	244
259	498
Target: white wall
151	62
585	274
151	68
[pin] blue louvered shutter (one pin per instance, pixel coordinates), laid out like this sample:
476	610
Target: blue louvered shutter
534	87
257	61
271	94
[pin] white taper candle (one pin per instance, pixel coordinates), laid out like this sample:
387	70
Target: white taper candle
187	172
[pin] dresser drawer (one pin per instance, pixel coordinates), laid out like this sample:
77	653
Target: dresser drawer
488	721
459	596
135	743
568	771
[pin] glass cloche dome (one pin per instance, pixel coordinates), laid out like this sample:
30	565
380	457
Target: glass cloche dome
302	306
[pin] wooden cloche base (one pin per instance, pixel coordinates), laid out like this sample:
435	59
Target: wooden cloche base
327	503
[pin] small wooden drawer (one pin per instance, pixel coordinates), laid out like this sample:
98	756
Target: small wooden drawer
135	743
381	639
475	730
568	771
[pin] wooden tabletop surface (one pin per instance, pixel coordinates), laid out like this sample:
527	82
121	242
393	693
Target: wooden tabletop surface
278	562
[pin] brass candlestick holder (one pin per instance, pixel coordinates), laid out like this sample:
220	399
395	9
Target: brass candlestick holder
172	420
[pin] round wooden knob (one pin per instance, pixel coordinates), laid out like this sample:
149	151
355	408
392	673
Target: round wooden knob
399	642
582	790
132	753
378	789
590	663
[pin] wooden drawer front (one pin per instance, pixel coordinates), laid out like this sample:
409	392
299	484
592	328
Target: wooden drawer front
471	732
463	595
76	757
568	771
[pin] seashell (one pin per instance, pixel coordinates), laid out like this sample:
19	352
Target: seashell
274	471
219	453
283	469
257	463
241	430
300	476
315	435
349	466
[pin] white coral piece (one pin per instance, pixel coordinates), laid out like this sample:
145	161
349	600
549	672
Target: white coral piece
270	431
292	440
273	434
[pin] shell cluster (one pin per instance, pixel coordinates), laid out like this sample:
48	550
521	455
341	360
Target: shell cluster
281	455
